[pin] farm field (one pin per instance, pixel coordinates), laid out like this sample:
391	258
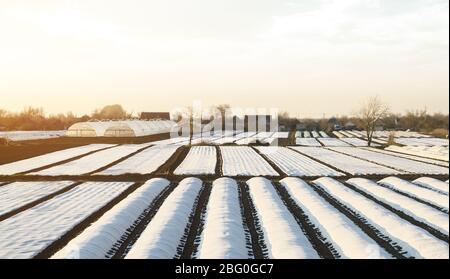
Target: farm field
244	161
48	159
422	141
199	160
428	196
166	200
101	239
18	194
295	164
224	235
412	157
28	233
357	142
31	135
435	152
146	161
92	162
332	142
398	163
290	219
307	142
413	241
348	164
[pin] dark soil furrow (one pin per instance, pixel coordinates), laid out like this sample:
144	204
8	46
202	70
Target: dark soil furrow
248	234
120	250
415	198
409	158
251	220
272	164
429	188
323	247
402	214
368	160
219	164
320	162
385	242
191	242
174	161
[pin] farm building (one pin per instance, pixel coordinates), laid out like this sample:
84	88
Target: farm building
155	115
128	128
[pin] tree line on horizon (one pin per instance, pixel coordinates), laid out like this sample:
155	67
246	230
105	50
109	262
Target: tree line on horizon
31	118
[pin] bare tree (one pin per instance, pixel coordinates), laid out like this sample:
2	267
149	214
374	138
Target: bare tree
371	112
191	124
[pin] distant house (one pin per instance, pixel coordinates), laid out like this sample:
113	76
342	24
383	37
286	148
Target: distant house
300	126
155	115
334	125
350	126
379	127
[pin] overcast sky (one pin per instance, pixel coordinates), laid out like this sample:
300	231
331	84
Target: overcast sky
308	57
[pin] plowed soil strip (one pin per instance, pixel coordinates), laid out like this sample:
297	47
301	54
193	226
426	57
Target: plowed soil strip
142	223
252	223
172	164
402	214
245	220
323	248
36	202
67	237
195	230
219	162
359	221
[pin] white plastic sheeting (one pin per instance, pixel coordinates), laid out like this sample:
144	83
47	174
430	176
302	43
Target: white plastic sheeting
282	234
223	235
165	232
26	234
97	240
413	240
346	237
